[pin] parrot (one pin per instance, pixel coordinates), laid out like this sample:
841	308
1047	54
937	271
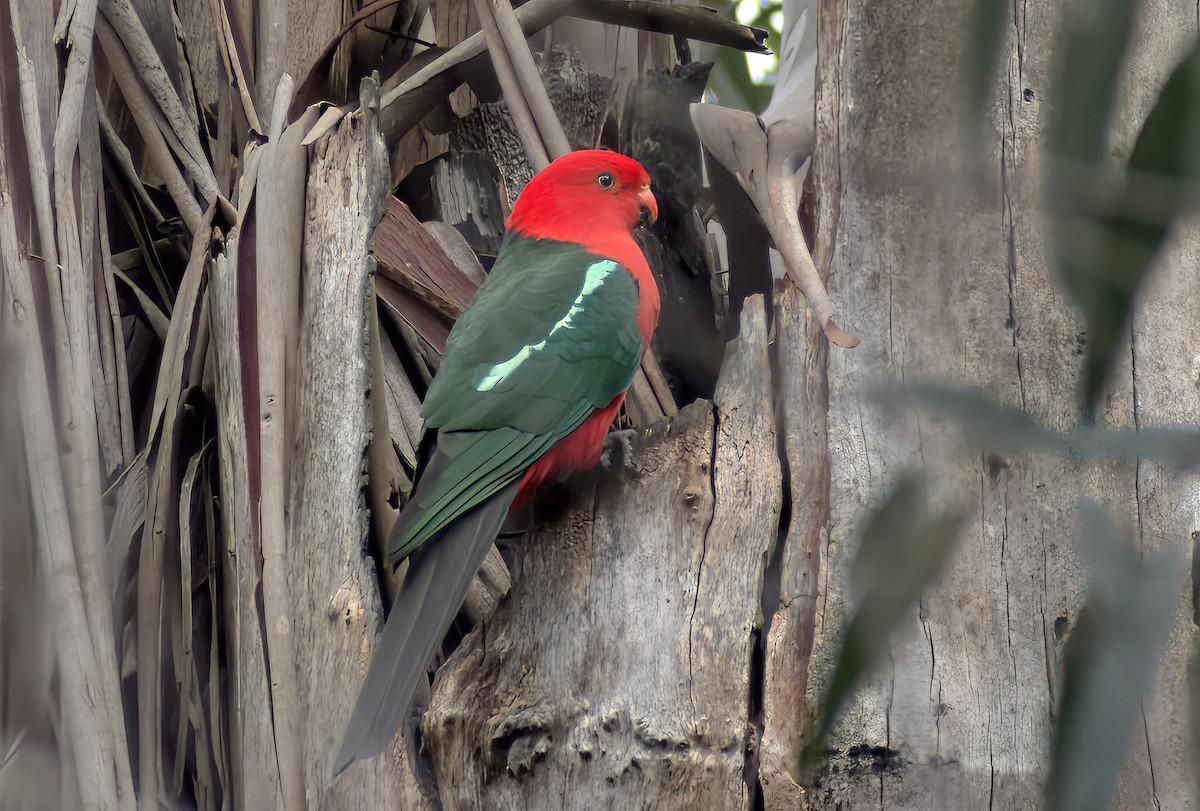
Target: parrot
533	375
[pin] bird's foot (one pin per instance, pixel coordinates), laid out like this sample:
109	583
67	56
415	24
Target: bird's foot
619	439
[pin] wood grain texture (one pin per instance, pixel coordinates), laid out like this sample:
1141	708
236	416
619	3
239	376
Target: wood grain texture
802	399
617	672
92	749
309	26
411	256
279	230
337	606
949	280
255	768
196	23
1159	771
452	25
803	402
958	717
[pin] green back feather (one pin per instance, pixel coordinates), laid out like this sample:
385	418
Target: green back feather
550	337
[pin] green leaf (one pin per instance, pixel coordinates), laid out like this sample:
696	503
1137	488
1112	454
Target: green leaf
1092	256
991	426
987	30
1175	447
1111	225
730	80
1086	84
1110	660
901	552
880	545
984	422
1169	143
1159	185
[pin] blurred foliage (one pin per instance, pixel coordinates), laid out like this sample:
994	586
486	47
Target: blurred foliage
1086	82
996	428
1114	647
745	80
902	548
1108	221
1113	650
1111	656
986	30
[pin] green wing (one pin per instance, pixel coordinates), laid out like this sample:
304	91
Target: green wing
552	330
550	337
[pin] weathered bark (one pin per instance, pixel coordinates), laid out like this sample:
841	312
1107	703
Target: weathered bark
1160	769
949	280
336	602
802	355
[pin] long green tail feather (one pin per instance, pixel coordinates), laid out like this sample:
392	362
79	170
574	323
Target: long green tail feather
468	468
439	574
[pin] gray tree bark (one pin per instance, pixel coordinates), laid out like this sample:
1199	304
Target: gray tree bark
948	280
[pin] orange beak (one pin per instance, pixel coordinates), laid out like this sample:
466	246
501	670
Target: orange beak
647	202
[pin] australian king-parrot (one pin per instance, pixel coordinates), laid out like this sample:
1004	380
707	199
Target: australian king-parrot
533	375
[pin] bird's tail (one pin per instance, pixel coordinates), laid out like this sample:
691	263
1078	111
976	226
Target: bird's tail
439	573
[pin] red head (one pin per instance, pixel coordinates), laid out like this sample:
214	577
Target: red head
585	196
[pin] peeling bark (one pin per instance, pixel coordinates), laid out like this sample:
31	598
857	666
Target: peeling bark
800	358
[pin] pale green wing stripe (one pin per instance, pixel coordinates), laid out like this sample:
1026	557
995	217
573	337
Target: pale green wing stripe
596	273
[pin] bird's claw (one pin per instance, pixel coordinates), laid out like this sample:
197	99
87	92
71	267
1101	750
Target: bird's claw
619	439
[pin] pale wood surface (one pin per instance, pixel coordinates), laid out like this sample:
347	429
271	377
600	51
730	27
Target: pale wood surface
1160	768
255	768
336	597
802	353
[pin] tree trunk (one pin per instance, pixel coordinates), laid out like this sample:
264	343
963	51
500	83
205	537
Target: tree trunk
946	281
949	281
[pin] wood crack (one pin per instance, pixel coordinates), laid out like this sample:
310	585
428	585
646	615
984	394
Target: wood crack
1007	146
712	489
1007	590
1137	425
936	702
1150	761
991	775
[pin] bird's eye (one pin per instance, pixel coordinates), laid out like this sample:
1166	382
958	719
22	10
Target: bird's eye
605	180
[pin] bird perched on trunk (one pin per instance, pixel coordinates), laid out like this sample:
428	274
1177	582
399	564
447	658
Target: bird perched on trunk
534	373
